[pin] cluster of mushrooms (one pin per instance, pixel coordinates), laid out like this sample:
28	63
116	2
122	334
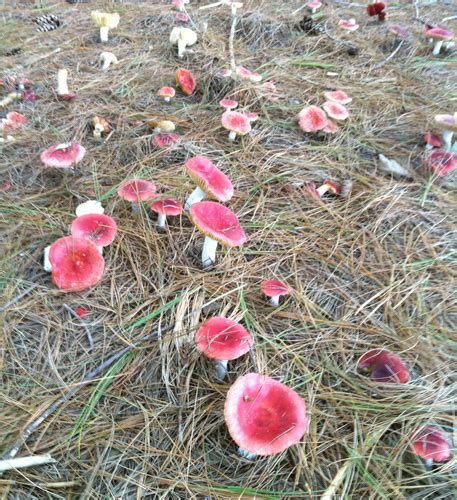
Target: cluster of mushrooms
264	416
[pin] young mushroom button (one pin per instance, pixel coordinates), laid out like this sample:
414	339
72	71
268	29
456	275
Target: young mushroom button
274	289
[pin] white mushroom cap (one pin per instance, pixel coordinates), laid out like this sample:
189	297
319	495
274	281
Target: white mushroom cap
108	58
182	37
89	207
105	19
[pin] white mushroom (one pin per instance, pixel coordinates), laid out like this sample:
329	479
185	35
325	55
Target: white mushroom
182	37
89	207
62	85
105	21
108	58
46	262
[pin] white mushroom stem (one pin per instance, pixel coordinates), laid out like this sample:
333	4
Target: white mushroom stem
437	47
181	48
447	139
209	252
46	262
194	197
323	189
454	148
274	301
221	368
161	219
246	454
167	99
62	86
98	130
104	33
428	462
232	135
21	462
100	250
107	59
428	147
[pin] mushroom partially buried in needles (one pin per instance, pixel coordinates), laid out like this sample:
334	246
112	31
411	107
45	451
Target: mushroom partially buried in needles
236	123
63	155
101	126
274	289
105	21
383	366
441	162
76	263
136	190
219	225
223	340
63	93
211	182
99	228
432	444
348	25
263	416
164	208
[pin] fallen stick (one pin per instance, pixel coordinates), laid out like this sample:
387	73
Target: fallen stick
22	462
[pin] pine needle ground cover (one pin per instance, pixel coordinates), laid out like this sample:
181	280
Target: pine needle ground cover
371	268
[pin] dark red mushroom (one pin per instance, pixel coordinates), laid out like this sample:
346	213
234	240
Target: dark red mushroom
99	228
222	339
432	444
76	263
263	416
383	366
274	289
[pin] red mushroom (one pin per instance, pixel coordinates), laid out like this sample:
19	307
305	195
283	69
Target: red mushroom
441	162
164	139
348	25
247	74
167	93
136	190
236	123
222	339
13	121
168	206
438	35
327	186
338	96
185	81
182	17
312	119
383	366
432	444
76	263
263	416
431	141
63	155
377	9
228	104
313	5
99	228
274	289
330	128
209	179
336	110
252	117
219	224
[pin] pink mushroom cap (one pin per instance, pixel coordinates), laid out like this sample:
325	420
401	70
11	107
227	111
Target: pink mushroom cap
431	443
168	206
185	81
223	339
76	263
383	366
438	33
312	119
236	122
274	288
166	92
398	30
264	416
335	110
218	223
338	96
63	155
331	127
349	25
14	120
228	104
441	162
136	190
165	139
182	17
99	228
209	178
247	74
252	117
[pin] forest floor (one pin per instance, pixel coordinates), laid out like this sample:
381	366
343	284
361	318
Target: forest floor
374	268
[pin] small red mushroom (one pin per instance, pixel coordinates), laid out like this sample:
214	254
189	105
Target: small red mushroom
182	17
338	96
99	228
431	141
228	104
328	186
76	263
167	93
247	74
439	36
136	190
219	224
81	311
274	289
223	340
168	206
348	25
313	5
377	9
13	121
63	155
312	119
236	123
209	179
336	110
383	366
432	444
263	416
165	139
330	128
185	81
441	162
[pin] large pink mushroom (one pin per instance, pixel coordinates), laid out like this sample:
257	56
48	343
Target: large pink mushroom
438	36
274	289
211	182
76	263
219	224
223	340
312	119
383	366
164	208
432	444
99	228
63	155
236	123
263	416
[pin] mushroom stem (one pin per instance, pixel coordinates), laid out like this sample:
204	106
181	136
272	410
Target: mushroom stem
209	252
181	48
135	207
275	301
196	195
232	136
104	33
167	99
323	189
161	219
437	47
246	454
46	262
98	129
428	462
62	86
221	368
428	147
447	139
